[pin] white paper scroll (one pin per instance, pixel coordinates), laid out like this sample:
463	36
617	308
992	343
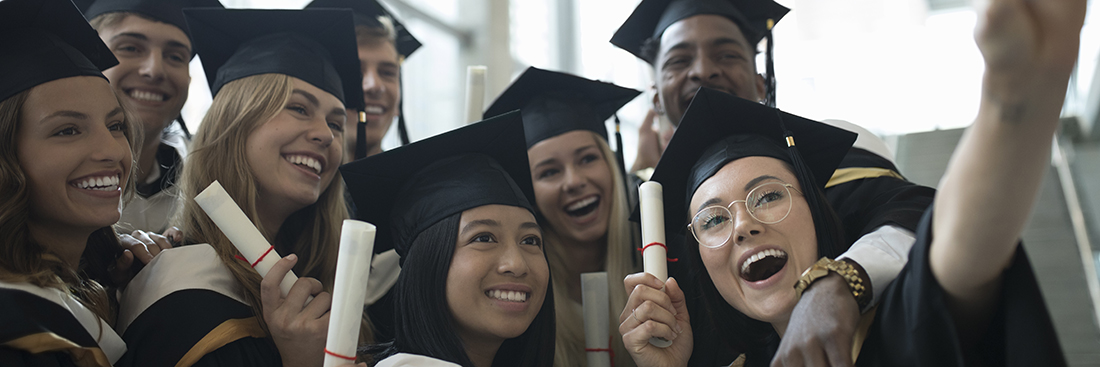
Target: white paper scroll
239	229
597	340
352	272
475	92
654	252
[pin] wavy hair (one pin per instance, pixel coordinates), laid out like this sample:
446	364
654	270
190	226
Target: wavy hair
218	153
619	262
24	259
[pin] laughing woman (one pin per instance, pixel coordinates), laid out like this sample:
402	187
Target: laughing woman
579	192
456	207
967	296
273	139
65	167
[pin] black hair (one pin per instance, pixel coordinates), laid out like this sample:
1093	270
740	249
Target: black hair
758	339
652	45
424	325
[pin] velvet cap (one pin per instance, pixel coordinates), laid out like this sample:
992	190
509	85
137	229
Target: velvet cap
554	103
316	46
719	128
46	40
408	189
367	13
167	11
652	17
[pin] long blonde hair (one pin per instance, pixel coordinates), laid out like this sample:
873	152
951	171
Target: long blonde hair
618	263
218	153
22	258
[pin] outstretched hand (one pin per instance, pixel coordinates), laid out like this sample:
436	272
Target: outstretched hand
1029	46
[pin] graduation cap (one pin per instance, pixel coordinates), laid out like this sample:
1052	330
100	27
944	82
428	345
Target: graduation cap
406	190
167	11
367	13
719	128
46	40
755	18
554	103
316	46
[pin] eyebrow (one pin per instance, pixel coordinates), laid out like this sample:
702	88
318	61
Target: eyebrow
726	41
760	179
309	96
575	152
530	225
140	36
479	222
748	186
80	115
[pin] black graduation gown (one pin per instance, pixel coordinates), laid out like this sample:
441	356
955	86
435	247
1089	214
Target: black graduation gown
867	192
913	326
186	306
39	331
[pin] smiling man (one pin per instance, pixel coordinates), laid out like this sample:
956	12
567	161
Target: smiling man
384	43
713	43
153	46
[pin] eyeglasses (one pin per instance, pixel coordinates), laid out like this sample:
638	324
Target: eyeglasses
769	203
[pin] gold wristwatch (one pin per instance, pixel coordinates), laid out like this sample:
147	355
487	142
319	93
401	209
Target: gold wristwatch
822	268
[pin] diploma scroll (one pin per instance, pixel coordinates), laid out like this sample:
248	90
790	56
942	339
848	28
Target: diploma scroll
241	232
654	251
349	291
597	338
475	92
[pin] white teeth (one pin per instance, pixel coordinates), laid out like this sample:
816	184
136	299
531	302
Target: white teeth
108	183
376	110
511	296
582	203
147	96
305	161
760	255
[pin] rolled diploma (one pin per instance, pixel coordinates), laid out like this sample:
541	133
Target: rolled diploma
352	272
594	297
241	232
654	258
475	92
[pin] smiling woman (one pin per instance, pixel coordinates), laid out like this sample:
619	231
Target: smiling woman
273	139
65	168
456	207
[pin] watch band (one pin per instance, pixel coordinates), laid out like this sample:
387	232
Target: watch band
850	274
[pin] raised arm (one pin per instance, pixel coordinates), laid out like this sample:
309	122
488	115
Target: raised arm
991	183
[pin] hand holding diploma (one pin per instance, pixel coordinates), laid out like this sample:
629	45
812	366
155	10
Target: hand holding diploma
654	251
298	329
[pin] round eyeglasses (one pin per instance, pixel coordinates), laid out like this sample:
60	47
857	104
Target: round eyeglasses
769	203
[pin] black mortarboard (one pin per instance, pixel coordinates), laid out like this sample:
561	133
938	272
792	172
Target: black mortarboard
652	17
719	128
367	13
315	45
554	103
167	11
45	40
408	189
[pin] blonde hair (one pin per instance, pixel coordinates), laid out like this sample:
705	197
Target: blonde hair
218	153
22	258
618	263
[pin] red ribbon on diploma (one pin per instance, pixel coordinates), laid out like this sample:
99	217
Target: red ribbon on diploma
671	260
337	355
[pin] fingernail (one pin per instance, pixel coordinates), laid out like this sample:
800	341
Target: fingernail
679	329
291	257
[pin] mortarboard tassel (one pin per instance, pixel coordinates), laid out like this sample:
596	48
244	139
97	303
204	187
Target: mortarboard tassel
825	221
619	147
361	140
183	126
402	132
769	66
